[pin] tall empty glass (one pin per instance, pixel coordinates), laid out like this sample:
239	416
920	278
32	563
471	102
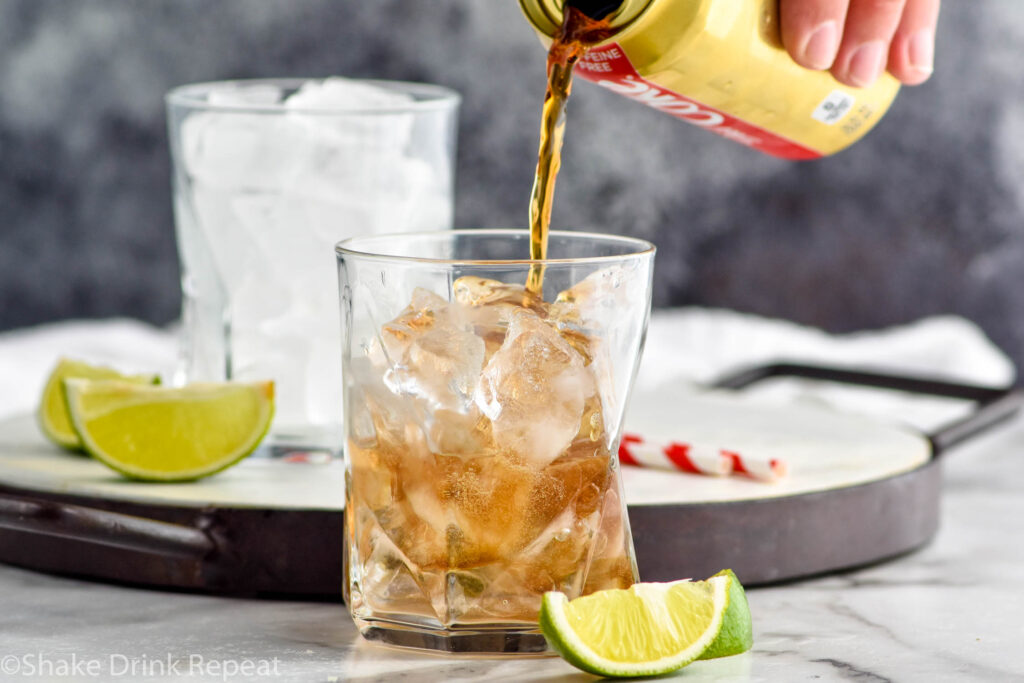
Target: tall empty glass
268	176
482	426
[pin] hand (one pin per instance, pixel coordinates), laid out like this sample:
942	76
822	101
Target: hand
858	39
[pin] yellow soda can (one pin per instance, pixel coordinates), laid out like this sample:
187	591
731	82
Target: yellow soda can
720	65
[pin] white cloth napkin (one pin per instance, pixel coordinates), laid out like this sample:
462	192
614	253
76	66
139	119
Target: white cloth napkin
27	355
684	346
690	346
701	344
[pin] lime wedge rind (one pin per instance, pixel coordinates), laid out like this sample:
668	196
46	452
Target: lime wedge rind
563	638
737	634
137	441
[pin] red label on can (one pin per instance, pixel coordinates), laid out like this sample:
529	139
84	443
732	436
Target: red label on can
609	67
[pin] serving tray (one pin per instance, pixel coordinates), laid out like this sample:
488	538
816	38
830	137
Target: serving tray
859	491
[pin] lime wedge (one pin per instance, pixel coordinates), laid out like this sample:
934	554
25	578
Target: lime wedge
52	414
167	434
737	634
646	630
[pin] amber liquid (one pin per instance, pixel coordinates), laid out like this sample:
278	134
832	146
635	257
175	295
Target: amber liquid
466	519
576	35
459	517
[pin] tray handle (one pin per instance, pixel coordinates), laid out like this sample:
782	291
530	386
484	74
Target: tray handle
994	405
103	527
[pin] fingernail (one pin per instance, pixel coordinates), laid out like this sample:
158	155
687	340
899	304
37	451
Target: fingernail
921	51
866	63
820	48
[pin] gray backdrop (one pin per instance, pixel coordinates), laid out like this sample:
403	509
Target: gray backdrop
925	216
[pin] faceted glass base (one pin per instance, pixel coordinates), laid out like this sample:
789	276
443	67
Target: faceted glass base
494	640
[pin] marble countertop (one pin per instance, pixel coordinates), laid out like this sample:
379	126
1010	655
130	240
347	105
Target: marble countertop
948	612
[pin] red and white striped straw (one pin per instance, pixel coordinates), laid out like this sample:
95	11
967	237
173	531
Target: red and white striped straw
771	469
634	450
698	459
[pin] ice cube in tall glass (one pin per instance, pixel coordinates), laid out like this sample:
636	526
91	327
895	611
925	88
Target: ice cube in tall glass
269	175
